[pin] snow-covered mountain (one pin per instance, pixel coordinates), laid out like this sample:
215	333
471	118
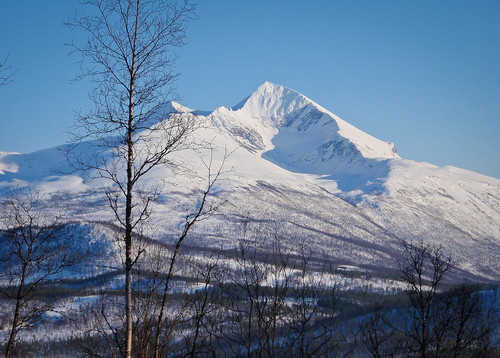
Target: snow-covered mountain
296	163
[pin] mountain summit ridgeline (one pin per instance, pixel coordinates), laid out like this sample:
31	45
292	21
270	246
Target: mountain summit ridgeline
294	162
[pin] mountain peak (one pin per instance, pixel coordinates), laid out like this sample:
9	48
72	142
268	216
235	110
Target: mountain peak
271	102
285	118
265	91
272	87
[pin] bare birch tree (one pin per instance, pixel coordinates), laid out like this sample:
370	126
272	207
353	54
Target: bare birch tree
423	270
128	58
32	252
434	322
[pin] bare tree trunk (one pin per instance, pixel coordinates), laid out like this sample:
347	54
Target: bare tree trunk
163	304
128	228
128	253
159	324
15	319
13	330
128	207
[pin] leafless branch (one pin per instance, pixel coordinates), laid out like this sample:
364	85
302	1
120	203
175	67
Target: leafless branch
6	72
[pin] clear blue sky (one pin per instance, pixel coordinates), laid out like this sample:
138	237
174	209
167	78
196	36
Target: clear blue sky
422	74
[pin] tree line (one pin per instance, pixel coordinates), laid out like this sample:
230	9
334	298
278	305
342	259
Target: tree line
257	299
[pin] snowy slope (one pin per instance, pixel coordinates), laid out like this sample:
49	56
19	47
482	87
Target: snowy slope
293	131
294	162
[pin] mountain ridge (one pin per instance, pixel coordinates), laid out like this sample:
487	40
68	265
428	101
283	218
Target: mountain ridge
294	132
297	163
